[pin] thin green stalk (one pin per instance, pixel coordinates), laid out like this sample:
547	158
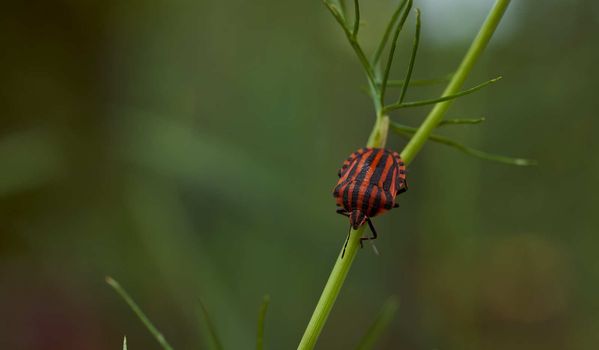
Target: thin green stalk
383	43
408	132
342	265
398	29
353	41
474	52
261	319
446	97
215	342
460	121
342	7
379	325
356	19
404	89
331	291
420	82
137	310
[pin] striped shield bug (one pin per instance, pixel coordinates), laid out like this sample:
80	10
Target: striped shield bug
369	181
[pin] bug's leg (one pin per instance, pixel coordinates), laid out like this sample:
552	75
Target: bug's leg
404	187
346	241
342	211
374	235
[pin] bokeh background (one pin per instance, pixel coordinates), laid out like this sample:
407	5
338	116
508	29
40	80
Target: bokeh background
189	150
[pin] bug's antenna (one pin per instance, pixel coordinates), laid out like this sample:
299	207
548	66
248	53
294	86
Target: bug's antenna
346	240
374	236
376	251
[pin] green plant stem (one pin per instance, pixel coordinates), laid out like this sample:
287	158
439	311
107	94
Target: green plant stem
261	320
356	19
445	97
331	291
476	48
353	41
461	121
137	310
377	328
404	88
407	131
215	343
420	82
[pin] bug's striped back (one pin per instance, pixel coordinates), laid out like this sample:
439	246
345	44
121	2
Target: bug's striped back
369	181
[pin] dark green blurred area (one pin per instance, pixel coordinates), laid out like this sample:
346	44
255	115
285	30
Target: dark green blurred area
189	149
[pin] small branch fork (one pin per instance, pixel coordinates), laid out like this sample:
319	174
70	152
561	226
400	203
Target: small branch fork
379	81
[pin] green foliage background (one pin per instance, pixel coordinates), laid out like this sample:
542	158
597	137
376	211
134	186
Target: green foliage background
188	148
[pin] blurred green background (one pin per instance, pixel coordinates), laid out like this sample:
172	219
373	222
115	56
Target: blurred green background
189	149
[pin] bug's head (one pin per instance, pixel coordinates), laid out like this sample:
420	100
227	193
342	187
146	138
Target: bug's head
357	219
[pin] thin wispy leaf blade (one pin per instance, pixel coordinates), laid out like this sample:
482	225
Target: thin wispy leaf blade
125	343
412	58
342	7
337	15
385	38
215	342
461	121
408	132
356	18
419	82
440	99
140	314
261	320
379	325
353	42
398	29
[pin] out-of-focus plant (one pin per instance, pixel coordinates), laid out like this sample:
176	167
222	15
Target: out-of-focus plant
142	316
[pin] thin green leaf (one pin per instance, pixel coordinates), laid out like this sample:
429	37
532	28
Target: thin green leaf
458	121
398	29
261	318
440	99
337	15
342	7
214	340
125	343
385	38
409	131
379	325
353	42
356	18
420	82
140	314
412	58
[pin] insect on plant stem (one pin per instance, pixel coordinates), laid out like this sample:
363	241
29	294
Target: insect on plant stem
377	139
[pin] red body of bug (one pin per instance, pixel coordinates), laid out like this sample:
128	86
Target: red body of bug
369	181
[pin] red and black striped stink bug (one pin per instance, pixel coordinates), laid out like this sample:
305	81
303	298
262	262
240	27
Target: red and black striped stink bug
369	181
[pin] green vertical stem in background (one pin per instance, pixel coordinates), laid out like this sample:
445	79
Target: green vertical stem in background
436	115
140	314
261	321
377	328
